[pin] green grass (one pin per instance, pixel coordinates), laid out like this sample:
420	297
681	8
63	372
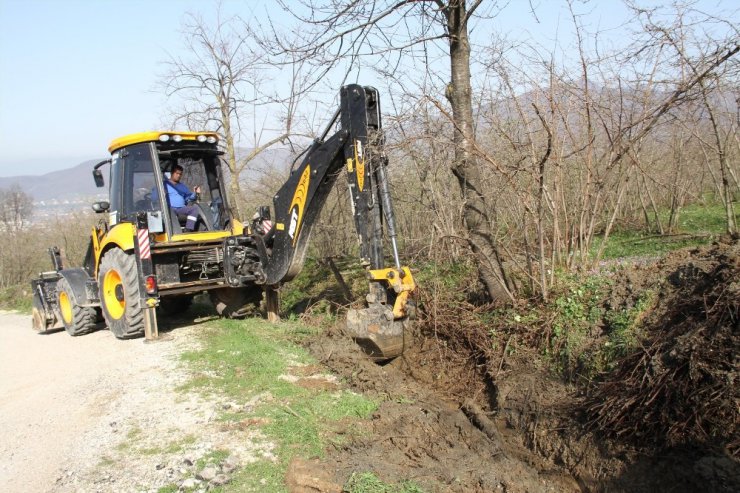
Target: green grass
702	218
244	359
581	336
212	457
368	482
623	327
133	435
170	488
697	225
316	286
633	244
173	447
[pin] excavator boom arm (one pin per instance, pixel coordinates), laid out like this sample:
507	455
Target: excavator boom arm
356	148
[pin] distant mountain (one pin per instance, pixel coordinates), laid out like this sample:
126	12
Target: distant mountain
76	184
67	184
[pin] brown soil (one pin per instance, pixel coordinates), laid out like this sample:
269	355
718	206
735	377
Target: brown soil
461	421
681	387
418	434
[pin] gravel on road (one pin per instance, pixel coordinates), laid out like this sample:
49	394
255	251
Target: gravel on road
78	411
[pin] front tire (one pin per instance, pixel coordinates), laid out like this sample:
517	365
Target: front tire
77	320
120	298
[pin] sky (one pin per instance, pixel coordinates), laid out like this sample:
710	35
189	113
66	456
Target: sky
75	74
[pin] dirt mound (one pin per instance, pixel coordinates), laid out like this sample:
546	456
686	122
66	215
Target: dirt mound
418	435
473	406
682	386
665	418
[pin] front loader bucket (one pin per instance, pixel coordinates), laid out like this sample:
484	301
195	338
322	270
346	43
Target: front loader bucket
39	319
376	331
43	317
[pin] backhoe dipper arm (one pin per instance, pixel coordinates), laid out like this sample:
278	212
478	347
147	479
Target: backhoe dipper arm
300	200
358	149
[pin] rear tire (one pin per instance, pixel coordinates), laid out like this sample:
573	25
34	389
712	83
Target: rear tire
236	302
77	320
120	298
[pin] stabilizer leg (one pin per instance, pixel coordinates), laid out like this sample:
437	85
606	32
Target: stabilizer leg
151	329
272	304
43	317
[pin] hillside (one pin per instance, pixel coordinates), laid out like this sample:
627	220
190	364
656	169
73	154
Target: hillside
66	184
77	182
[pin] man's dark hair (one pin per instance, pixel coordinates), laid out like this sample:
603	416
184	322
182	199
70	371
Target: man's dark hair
175	167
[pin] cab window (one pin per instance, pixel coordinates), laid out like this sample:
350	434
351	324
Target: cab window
139	184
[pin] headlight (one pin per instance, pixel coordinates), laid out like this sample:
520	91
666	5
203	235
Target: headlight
177	138
211	139
201	138
164	138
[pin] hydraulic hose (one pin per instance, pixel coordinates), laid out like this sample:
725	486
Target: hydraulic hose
387	204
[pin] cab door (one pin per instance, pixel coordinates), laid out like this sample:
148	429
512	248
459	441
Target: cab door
140	188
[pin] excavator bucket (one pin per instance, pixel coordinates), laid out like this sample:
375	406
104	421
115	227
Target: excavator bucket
381	329
376	331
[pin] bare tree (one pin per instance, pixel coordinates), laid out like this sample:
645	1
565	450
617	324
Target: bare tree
24	252
707	60
345	33
720	144
16	208
220	83
571	161
568	141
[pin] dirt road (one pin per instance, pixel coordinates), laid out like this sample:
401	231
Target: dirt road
66	403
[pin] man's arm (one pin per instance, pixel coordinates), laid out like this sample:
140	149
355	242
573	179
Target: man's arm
183	190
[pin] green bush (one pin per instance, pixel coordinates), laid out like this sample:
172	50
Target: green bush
575	312
17	297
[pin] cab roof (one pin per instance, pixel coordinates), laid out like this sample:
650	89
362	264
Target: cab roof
158	135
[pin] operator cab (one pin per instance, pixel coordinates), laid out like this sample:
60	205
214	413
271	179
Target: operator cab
142	163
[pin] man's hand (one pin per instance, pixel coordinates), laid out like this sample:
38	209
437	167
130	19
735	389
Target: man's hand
196	189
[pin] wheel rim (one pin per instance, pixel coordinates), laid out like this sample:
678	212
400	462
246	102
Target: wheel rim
111	283
65	306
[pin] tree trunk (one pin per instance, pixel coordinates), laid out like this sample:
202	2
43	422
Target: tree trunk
466	168
726	191
232	163
346	291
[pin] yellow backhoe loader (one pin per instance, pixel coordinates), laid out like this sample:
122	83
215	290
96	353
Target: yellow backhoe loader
147	257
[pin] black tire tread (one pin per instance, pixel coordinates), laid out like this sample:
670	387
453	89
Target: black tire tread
131	324
83	317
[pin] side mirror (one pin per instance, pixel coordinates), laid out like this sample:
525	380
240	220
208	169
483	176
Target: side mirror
98	176
101	206
264	211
